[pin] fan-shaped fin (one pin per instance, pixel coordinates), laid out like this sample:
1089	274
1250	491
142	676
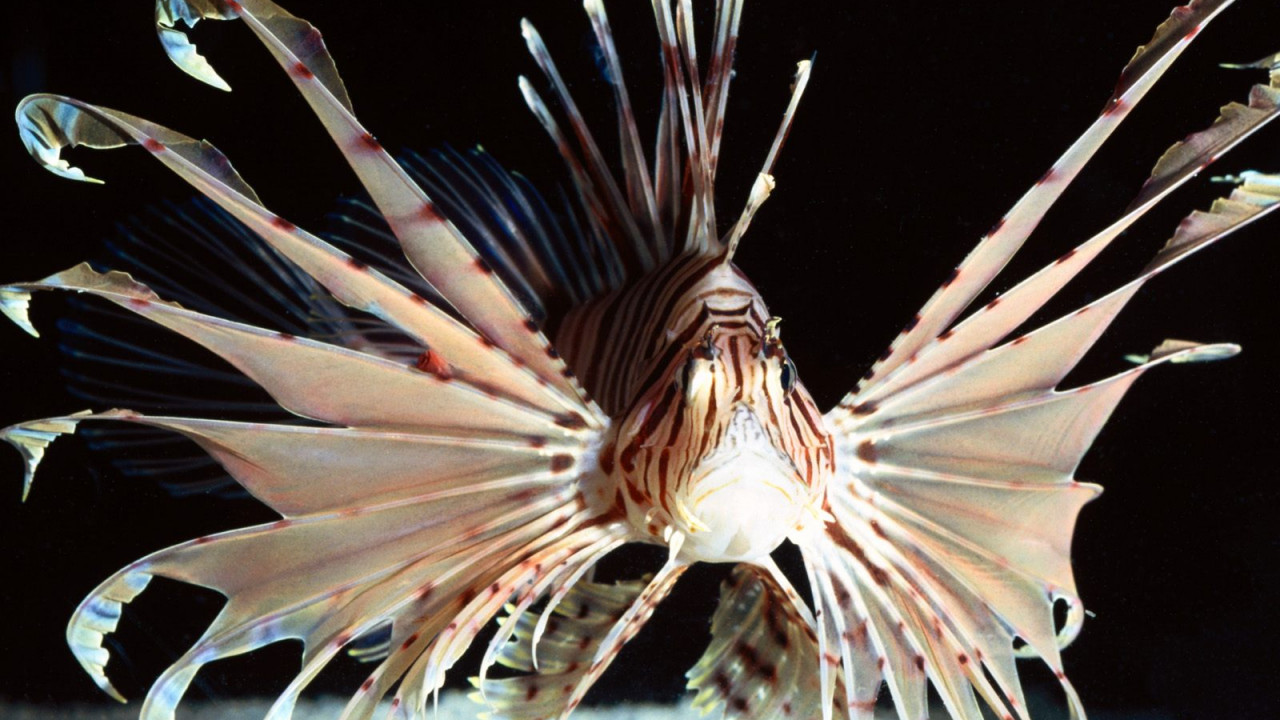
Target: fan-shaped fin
338	568
565	652
762	662
432	244
49	123
950	532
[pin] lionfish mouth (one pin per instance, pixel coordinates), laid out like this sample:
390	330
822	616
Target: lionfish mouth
745	497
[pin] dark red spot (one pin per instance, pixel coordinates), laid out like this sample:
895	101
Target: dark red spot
281	524
606	458
342	639
530	325
992	305
153	145
571	421
864	408
553	353
739	704
1048	176
429	213
302	71
723	684
483	266
920	663
525	495
537	442
234	5
139	302
955	273
561	462
425	591
364	687
911	325
432	362
409	641
531	692
964	659
878	575
1060	675
1020	340
1067	256
867	451
946	335
371	142
417	299
494	589
286	337
875	527
1114	105
203	539
883	356
281	224
357	264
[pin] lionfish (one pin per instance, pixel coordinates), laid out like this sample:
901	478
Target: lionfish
463	463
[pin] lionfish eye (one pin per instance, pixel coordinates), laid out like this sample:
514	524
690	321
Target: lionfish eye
787	377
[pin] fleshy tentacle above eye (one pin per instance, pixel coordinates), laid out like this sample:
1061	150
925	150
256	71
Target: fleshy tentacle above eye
949	524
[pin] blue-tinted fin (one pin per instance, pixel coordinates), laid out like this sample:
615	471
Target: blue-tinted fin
541	253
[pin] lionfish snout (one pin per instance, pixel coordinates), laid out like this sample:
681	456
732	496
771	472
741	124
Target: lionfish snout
744	497
728	452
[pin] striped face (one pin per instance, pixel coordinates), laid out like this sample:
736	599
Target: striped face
725	446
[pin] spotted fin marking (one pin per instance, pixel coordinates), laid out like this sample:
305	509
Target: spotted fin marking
762	662
430	241
995	249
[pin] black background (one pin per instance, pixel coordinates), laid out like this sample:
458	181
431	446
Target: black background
922	124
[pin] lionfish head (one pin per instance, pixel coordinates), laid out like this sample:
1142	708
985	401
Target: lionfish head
739	452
